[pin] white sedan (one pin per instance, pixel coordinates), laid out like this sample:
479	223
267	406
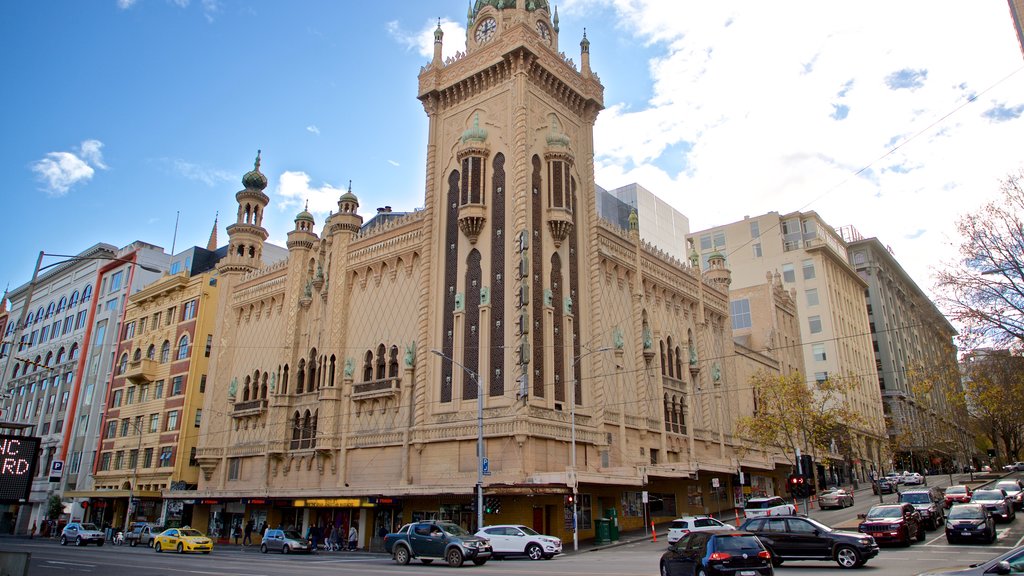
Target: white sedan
835	498
682	526
912	479
516	539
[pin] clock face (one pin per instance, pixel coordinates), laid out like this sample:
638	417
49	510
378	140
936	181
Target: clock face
544	32
485	31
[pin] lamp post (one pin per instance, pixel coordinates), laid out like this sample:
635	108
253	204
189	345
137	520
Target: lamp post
575	481
479	437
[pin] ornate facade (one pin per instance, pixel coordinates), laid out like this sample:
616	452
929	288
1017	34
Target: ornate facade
350	382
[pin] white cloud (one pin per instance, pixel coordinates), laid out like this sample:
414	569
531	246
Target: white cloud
394	163
313	129
295	190
767	107
198	172
125	4
60	171
422	40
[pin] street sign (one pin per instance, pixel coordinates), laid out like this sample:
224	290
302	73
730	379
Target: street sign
18	455
56	470
487	467
714	483
644	497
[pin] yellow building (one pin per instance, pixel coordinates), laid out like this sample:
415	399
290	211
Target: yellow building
154	406
357	380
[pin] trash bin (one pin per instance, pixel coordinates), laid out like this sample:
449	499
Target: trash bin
602	535
613	528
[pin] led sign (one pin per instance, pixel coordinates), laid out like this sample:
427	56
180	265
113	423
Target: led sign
18	455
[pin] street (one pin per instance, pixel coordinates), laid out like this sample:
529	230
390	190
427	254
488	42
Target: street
635	558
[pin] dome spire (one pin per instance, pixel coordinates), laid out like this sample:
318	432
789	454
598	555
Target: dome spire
254	179
438	42
211	244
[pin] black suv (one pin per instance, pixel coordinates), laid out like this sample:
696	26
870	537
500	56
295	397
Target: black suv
800	538
930	502
717	553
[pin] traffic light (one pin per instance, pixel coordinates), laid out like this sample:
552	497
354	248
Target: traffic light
568	500
492	505
797	486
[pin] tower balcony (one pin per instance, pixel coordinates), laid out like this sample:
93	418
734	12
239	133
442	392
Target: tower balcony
560	223
471	220
139	371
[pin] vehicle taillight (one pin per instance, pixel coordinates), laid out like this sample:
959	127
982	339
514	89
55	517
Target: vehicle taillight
764	554
719	556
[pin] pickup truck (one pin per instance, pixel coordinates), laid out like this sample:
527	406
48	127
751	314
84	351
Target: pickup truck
437	540
142	534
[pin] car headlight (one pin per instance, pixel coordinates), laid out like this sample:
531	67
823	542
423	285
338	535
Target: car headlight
865	541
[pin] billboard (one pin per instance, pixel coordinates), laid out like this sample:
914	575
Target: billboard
18	456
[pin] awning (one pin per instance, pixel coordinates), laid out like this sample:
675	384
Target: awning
113	494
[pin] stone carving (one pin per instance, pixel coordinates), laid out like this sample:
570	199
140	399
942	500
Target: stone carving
273	382
485	296
567	305
410	354
233	388
648	339
458	302
617	338
350	367
547	297
693	355
716	372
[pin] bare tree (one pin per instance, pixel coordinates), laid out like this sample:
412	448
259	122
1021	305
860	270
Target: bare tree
984	290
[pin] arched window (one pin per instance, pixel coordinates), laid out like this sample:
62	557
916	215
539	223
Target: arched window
330	374
39	315
245	390
183	347
368	366
73	355
50	309
671	361
17	371
306	429
312	430
62	304
255	385
679	363
49	360
87	293
138	355
312	370
60	355
28	319
124	364
663	369
263	387
74	299
284	381
36	363
296	430
393	363
381	362
151	352
165	352
300	384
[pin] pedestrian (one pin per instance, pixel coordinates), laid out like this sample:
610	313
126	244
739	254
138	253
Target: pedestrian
327	536
247	537
353	536
263	529
32	531
237	533
334	539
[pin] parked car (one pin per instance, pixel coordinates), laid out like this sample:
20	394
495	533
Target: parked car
515	539
717	553
885	485
285	541
1011	562
835	498
929	502
895	477
768	506
957	494
970	522
799	538
997	502
183	540
896	523
1014	488
1018	466
142	533
912	479
434	540
81	534
682	526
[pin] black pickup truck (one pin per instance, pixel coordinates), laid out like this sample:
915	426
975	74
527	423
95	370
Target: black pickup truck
436	540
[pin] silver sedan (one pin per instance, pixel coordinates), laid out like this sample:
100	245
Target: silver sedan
835	498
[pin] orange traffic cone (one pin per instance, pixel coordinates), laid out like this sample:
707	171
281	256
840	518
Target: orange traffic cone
653	533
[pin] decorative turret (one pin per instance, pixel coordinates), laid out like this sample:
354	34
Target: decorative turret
347	219
473	153
303	235
438	37
717	274
585	55
247	235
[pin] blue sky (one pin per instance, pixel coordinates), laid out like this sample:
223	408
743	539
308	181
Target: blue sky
117	113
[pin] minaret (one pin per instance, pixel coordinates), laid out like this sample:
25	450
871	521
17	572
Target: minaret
211	244
247	235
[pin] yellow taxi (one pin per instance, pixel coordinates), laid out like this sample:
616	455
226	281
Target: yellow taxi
183	540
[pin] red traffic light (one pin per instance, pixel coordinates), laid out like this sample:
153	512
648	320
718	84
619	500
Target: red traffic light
84	503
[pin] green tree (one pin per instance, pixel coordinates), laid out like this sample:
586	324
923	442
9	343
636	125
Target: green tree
54	507
791	413
995	397
983	290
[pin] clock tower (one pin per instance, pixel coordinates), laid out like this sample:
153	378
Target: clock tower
510	201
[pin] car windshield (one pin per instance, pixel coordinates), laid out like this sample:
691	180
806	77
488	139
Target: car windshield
453	529
963	512
987	495
1009	486
888	512
292	534
915	497
529	531
678	524
190	533
956	490
737	543
756	504
89	527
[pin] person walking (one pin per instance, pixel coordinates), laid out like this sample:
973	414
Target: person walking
263	529
247	535
32	531
353	536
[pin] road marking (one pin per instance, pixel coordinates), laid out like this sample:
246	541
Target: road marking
69	563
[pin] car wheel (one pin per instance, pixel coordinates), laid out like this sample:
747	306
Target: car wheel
906	541
535	552
950	540
427	561
79	542
454	557
480	561
847	557
63	540
158	547
776	561
402	555
920	534
100	543
664	569
263	548
285	549
181	548
992	536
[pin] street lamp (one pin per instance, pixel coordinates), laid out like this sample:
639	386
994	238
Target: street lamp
479	437
575	481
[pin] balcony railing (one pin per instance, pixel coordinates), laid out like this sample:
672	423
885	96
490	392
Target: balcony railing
376	388
249	407
139	371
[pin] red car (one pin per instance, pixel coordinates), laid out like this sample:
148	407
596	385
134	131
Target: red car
958	494
896	523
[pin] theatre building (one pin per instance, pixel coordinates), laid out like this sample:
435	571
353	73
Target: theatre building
355	380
